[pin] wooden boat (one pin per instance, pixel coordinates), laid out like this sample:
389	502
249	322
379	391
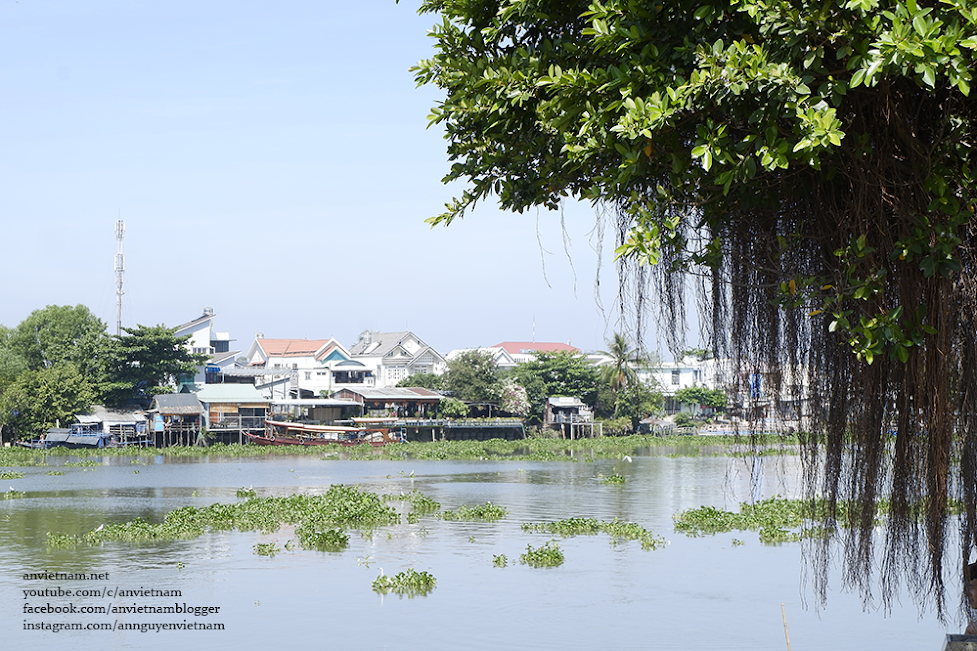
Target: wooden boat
287	433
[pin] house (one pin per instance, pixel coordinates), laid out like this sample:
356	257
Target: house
500	356
232	409
124	424
395	356
205	341
525	351
316	411
101	427
177	418
305	368
571	416
401	402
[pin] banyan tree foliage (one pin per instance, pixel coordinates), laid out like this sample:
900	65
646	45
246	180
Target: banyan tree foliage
807	167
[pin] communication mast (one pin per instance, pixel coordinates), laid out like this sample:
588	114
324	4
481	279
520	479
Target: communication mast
120	272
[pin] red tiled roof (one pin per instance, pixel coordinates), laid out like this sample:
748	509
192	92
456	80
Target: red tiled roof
516	347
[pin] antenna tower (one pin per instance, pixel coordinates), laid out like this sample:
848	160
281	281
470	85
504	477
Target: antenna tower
120	272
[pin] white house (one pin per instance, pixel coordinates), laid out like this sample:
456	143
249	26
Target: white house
525	351
503	360
205	340
508	354
307	366
394	356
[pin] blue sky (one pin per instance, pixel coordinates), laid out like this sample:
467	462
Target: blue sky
271	161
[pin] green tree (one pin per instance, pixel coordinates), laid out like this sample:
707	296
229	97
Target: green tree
453	408
697	395
473	377
145	361
559	373
42	398
620	374
59	333
814	162
638	401
425	380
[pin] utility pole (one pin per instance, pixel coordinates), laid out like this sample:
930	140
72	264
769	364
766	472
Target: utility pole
120	271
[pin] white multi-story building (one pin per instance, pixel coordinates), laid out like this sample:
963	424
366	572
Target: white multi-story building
307	366
394	356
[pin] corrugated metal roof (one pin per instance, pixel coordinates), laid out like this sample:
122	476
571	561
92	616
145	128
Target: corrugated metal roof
177	403
396	393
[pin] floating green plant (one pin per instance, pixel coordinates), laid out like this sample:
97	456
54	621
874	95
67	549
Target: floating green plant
776	519
55	472
419	502
737	542
266	549
247	492
546	555
613	479
487	512
500	560
14	495
84	463
340	507
617	530
11	474
331	540
408	583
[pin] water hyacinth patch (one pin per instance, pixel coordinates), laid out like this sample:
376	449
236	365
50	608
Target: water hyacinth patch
487	512
613	479
419	502
500	560
14	495
546	555
617	530
266	549
247	493
776	520
331	540
11	474
409	583
340	507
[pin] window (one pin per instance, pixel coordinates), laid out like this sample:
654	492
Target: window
397	373
308	375
676	376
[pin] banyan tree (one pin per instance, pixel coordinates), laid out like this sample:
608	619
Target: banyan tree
806	170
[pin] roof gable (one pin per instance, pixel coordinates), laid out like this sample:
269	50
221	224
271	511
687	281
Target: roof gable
293	347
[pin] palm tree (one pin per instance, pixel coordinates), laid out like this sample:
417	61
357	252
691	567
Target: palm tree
620	373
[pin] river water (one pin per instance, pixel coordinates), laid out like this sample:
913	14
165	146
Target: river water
710	591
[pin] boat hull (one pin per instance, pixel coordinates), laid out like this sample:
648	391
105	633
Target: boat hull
278	433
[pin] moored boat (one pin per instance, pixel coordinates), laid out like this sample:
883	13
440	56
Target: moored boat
289	433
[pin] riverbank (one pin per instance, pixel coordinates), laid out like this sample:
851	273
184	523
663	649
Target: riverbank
531	449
